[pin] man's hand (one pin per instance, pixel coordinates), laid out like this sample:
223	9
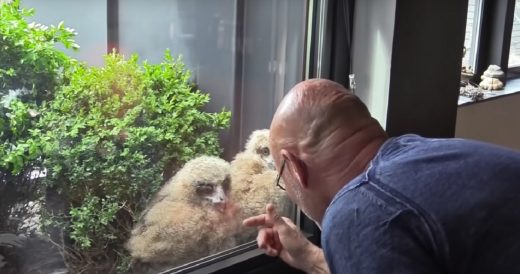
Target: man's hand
279	236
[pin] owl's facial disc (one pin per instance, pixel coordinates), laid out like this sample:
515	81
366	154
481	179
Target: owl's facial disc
266	156
215	194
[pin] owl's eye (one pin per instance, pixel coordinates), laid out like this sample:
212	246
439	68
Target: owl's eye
205	188
263	151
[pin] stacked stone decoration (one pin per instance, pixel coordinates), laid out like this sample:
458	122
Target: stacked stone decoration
491	79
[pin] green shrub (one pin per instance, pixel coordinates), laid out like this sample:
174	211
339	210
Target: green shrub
105	135
31	69
30	62
110	134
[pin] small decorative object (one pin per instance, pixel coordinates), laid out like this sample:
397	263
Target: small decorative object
491	78
473	92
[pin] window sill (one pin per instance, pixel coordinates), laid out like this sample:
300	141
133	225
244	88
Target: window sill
512	87
219	261
245	258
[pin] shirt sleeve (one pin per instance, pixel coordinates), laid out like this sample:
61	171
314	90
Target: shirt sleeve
365	233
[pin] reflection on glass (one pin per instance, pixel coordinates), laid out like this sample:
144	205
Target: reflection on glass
139	161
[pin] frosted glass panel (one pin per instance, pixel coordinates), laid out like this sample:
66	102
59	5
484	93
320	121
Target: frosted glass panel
251	50
87	18
273	57
202	31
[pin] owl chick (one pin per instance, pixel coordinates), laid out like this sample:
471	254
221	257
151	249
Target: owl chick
253	177
258	143
191	217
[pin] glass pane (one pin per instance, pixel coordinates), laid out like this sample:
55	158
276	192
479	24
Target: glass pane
202	32
471	39
514	51
147	158
87	18
272	59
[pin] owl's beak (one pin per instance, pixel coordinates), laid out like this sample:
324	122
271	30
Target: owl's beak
270	164
219	199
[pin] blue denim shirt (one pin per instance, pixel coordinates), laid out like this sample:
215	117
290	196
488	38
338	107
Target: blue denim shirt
428	206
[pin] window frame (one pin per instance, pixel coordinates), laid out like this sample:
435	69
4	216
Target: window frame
112	26
475	37
331	43
515	70
495	30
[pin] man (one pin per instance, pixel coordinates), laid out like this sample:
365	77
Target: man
387	205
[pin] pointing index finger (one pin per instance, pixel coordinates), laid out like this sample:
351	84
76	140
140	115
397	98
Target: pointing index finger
259	220
267	220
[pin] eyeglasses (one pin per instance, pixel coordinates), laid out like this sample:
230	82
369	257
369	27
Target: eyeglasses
280	176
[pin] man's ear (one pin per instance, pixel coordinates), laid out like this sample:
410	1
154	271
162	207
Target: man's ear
297	167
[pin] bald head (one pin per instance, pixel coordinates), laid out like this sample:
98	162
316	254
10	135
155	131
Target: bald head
327	137
315	111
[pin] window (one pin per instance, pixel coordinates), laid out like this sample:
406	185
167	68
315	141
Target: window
514	50
91	140
471	40
492	38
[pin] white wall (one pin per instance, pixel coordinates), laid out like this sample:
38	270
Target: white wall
372	53
496	121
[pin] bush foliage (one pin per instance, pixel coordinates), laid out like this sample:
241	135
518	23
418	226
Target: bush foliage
30	72
31	69
30	62
106	136
109	134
